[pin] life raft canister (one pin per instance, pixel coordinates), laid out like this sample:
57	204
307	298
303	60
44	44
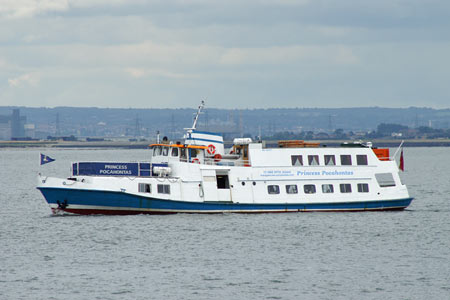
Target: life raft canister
211	149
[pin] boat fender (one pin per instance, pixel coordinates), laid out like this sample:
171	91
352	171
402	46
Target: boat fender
217	157
195	161
211	149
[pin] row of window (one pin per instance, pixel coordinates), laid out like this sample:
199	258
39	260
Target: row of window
329	160
147	188
311	188
164	151
174	152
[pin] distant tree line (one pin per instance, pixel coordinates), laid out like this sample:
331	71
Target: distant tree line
384	130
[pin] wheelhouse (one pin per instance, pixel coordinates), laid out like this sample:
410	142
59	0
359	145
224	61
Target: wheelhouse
163	153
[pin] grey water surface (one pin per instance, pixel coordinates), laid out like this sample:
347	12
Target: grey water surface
365	255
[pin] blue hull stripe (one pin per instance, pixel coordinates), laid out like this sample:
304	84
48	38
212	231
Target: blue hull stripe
118	200
204	140
206	132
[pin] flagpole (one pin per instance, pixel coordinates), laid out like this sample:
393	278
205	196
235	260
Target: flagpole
398	149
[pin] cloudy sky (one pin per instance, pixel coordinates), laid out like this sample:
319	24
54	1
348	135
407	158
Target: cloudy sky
235	53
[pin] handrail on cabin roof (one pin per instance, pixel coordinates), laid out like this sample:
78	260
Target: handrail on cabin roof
180	146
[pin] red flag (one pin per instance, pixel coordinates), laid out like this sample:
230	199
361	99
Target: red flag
402	162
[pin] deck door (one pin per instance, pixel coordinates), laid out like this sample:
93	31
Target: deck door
209	184
216	185
223	185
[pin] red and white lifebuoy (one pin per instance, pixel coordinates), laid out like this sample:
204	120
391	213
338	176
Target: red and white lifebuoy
217	157
211	149
195	161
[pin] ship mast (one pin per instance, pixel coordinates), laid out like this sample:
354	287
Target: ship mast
199	111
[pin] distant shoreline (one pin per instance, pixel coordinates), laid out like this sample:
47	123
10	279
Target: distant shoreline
144	145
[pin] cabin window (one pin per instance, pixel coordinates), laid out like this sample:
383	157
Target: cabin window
157	151
145	188
363	188
346	160
291	189
165	151
183	154
163	188
309	189
273	189
345	187
297	160
330	160
361	160
313	160
327	188
222	182
193	152
385	179
174	151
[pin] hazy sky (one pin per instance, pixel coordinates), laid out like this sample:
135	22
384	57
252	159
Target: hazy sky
235	53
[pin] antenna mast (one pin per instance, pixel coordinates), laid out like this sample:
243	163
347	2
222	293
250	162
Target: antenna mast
194	126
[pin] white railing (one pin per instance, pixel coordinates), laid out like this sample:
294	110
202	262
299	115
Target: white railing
226	162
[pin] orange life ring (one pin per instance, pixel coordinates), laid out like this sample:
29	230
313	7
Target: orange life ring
217	157
195	161
211	149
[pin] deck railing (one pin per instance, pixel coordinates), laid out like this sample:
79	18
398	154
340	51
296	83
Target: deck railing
227	162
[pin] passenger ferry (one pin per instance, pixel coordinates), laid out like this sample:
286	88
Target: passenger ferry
199	176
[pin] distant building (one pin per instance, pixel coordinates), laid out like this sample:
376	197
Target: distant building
30	130
12	126
17	124
5	127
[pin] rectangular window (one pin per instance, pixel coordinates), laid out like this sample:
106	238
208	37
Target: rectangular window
222	182
291	189
273	189
297	160
145	188
385	179
330	160
345	187
165	151
157	151
363	188
174	151
163	188
361	160
346	160
183	154
327	188
313	160
309	189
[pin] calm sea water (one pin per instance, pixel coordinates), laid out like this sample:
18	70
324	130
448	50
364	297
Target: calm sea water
369	255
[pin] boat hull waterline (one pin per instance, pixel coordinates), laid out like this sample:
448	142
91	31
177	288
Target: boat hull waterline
87	202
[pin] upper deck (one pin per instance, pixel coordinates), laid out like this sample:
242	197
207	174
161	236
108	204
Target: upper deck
255	155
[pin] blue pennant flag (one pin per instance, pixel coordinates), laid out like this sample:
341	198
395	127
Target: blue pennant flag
46	159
